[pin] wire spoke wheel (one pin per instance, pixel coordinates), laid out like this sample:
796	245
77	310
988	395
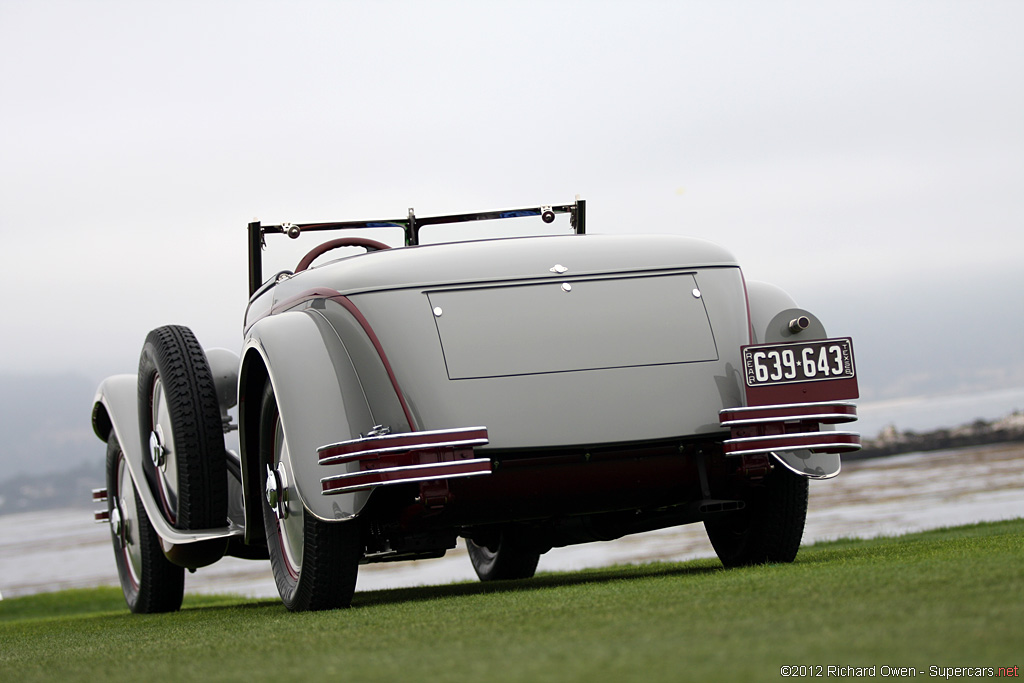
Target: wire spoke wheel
149	581
289	511
163	451
315	563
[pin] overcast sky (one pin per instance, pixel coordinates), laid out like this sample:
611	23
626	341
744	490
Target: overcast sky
866	156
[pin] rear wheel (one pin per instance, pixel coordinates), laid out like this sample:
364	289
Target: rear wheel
503	555
315	563
181	430
150	582
769	529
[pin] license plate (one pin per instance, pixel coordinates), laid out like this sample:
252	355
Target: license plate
812	361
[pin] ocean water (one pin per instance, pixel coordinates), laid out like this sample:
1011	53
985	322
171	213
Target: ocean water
926	413
48	551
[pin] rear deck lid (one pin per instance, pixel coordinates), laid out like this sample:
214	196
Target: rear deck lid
564	325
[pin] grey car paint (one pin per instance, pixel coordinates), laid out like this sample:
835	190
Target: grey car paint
473	334
332	385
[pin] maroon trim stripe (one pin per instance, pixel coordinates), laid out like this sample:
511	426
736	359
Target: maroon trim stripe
746	301
306	295
817	412
357	449
403	475
334	295
365	324
815	441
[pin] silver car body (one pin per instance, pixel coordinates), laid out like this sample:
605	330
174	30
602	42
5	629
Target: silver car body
492	350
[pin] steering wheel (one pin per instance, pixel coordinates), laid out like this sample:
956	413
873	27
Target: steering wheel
368	244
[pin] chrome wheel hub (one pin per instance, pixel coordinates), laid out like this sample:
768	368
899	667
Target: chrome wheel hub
157	450
162	451
288	509
117	523
277	494
124	522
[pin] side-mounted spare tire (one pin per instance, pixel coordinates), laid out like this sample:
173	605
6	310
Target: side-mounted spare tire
181	430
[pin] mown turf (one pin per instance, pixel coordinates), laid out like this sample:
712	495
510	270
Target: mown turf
942	598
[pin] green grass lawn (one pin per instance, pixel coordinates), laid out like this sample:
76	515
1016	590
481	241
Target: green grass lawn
943	598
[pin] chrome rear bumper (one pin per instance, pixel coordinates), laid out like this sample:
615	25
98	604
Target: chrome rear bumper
412	457
789	427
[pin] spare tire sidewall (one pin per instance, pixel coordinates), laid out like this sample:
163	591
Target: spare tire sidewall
172	354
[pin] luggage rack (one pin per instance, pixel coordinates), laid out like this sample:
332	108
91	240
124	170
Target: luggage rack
411	225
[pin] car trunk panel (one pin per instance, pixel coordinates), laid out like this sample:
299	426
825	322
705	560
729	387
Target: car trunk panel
567	325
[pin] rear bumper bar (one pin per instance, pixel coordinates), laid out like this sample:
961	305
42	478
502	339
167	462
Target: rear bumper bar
407	458
100	516
789	427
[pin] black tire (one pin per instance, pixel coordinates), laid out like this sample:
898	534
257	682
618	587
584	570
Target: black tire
150	582
315	563
503	555
769	529
179	414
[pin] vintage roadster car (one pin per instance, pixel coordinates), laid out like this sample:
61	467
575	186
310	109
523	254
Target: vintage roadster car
522	393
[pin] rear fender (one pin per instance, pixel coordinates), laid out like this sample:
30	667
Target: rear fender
775	318
773	313
321	397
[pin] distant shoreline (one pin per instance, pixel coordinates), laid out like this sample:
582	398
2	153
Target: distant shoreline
72	487
891	441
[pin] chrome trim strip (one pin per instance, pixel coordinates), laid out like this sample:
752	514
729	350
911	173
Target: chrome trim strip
740	409
781	445
405	468
794	435
424	471
360	455
369	447
365	487
834	418
828	447
400	435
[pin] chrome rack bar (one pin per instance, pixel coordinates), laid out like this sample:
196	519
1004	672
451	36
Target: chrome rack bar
411	225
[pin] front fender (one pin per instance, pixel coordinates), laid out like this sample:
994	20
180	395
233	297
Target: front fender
115	407
322	399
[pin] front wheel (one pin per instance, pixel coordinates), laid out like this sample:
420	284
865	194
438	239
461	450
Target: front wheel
150	582
315	563
769	529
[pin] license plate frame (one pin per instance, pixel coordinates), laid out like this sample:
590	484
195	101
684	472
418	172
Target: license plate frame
800	371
